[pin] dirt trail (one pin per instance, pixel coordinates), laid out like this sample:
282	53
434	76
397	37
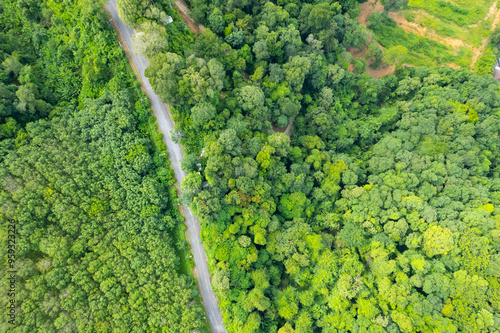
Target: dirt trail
184	12
427	33
290	126
478	51
287	129
383	70
491	12
367	8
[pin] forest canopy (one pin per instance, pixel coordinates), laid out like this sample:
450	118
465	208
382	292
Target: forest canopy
379	213
94	247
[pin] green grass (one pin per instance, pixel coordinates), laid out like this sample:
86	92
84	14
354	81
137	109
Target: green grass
485	63
439	27
443	18
464	57
421	50
471	36
461	12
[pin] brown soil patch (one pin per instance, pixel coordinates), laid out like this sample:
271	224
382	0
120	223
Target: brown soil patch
367	8
281	130
184	13
453	65
383	70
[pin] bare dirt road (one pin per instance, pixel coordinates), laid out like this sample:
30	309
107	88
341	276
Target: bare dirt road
174	150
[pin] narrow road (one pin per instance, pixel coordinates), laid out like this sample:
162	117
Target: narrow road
174	150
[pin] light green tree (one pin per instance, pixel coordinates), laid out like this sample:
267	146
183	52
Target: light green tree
150	38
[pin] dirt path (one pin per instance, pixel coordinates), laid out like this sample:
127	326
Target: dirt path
384	68
490	13
427	33
290	126
367	8
184	12
477	52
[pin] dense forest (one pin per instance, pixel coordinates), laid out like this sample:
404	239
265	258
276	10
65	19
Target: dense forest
381	211
330	201
84	183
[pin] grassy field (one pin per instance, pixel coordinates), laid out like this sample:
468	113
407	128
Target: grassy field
460	12
440	32
421	50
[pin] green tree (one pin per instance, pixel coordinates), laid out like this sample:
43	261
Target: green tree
395	55
437	240
150	38
296	70
202	113
375	55
131	10
251	97
394	5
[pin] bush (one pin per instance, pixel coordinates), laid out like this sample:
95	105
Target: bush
485	64
410	17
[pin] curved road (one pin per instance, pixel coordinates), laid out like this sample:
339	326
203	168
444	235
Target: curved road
174	150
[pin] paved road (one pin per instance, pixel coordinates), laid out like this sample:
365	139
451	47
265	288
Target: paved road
166	125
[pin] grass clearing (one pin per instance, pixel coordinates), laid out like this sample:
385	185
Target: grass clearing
421	50
440	32
461	12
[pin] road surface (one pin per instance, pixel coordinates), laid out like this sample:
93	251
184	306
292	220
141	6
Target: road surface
174	150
